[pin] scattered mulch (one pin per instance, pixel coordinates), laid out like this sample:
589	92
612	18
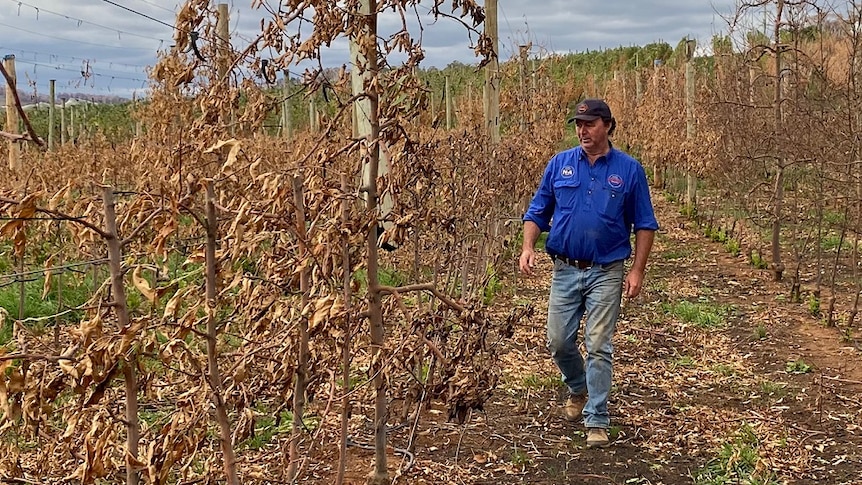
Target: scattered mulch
683	391
760	384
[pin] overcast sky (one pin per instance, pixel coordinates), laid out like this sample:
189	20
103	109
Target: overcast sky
113	45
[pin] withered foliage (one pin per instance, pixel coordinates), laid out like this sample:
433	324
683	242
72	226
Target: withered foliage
455	216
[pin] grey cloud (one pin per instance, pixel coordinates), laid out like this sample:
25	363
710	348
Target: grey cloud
555	25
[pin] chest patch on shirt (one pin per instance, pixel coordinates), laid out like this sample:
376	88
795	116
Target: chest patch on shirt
567	171
615	181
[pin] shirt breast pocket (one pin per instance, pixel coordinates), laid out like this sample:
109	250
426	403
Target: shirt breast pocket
566	193
614	204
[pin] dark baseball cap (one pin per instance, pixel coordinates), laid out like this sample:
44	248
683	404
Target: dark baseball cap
590	109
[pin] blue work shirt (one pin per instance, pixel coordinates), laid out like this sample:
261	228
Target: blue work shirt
593	208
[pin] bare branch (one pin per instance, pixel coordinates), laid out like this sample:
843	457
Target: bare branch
33	136
62	216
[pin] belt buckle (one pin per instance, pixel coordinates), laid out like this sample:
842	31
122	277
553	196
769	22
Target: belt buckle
577	263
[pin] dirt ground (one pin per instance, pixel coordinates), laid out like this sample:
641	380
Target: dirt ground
759	387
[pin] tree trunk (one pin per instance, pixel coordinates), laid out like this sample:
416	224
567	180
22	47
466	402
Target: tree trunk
300	380
777	264
130	378
346	351
214	374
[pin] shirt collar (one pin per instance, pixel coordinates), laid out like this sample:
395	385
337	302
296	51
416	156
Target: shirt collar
582	155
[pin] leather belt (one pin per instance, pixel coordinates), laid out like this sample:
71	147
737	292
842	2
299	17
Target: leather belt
577	263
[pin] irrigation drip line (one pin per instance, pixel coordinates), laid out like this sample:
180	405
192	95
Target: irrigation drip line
49	317
53	268
70	218
17	281
63	268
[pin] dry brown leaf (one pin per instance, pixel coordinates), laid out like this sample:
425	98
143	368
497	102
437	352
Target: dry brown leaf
173	304
143	285
234	146
54	202
46	287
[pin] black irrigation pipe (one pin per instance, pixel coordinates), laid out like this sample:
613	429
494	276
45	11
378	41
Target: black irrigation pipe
17	281
70	218
52	268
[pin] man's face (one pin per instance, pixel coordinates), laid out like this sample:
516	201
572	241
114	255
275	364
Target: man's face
592	134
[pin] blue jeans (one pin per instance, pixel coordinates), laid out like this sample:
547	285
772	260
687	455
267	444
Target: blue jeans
595	291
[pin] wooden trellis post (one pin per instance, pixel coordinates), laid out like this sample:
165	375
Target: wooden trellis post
448	95
492	76
286	121
63	132
51	112
691	179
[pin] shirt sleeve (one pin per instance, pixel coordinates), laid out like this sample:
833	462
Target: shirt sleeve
640	212
542	206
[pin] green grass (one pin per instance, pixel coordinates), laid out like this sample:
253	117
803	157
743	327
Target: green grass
357	380
759	332
266	428
520	458
702	315
732	247
813	305
833	241
6	331
847	336
533	381
492	288
152	416
543	239
686	361
721	236
797	366
386	277
676	253
773	389
723	370
70	289
737	463
75	291
712	233
688	211
833	218
757	260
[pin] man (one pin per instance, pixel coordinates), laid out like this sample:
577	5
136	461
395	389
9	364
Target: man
591	198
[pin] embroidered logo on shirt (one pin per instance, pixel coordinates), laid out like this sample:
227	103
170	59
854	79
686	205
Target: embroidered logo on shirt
567	171
615	181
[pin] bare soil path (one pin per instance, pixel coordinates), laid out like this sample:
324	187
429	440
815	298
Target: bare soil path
717	377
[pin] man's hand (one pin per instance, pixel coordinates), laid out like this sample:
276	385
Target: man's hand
528	253
635	278
634	283
527	260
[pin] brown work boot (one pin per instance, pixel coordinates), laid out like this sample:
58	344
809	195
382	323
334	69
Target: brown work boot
597	438
574	407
